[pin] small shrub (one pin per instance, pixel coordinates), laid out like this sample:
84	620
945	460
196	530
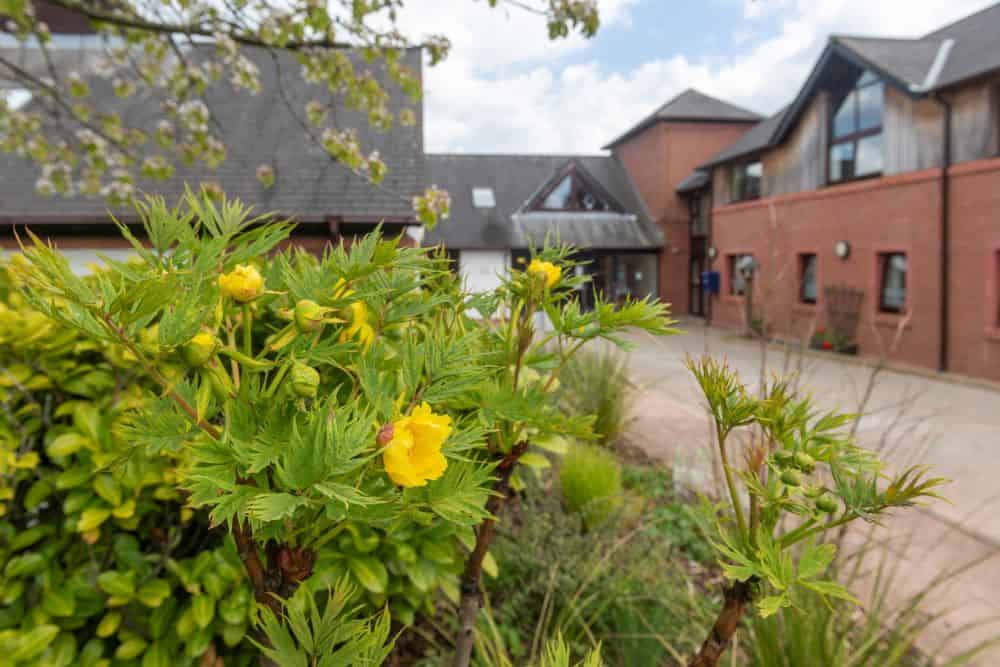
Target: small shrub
591	482
596	383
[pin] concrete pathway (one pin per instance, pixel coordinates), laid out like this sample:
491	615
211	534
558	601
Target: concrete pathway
950	423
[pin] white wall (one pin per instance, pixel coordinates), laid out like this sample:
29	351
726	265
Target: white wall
81	259
481	269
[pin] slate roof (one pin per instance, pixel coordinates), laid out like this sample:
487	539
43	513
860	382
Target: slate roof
691	106
756	139
976	48
515	179
697	179
907	60
260	129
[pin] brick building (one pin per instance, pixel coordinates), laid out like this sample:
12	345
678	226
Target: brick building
870	205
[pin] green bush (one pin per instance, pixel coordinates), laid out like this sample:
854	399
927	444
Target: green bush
596	383
590	479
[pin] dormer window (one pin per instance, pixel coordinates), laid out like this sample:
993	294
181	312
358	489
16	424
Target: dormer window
574	192
856	130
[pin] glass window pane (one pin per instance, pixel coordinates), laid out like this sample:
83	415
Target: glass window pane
870	101
559	197
841	161
807	292
867	76
844	117
893	292
869	158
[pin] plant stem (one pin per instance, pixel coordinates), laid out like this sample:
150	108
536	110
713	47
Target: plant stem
800	534
737	507
247	330
468	606
737	597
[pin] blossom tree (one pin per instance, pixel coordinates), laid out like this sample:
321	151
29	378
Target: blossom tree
175	50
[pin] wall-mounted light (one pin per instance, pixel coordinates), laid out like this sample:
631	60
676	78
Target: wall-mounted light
712	252
842	249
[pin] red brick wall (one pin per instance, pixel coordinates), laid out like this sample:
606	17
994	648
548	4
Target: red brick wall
974	293
658	159
896	213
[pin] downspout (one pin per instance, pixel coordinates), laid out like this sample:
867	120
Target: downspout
945	232
933	74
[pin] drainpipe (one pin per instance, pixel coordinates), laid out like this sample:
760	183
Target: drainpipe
945	231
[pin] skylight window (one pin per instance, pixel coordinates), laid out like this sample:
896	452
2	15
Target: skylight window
483	198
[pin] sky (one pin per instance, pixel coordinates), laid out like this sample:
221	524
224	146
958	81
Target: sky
506	88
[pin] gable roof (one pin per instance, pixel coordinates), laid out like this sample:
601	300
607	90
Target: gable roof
976	48
259	129
516	180
919	66
691	106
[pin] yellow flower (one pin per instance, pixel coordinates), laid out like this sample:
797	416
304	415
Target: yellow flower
243	284
413	453
550	271
357	316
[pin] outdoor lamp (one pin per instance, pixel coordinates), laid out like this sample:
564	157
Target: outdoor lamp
842	249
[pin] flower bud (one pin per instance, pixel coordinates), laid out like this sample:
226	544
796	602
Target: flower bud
827	504
305	380
783	458
243	284
308	316
386	434
791	477
199	349
804	462
545	272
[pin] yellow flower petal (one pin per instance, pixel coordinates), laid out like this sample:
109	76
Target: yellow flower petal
413	456
548	270
243	284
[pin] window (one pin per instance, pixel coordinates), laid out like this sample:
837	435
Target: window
737	282
575	193
745	181
483	198
856	130
807	278
892	289
698	208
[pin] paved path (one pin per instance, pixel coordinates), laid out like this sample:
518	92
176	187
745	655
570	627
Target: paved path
952	424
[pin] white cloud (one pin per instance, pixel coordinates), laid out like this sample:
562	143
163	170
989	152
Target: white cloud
507	88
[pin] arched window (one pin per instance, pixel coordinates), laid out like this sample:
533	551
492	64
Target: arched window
856	130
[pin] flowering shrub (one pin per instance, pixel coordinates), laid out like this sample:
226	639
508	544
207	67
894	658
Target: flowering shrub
339	421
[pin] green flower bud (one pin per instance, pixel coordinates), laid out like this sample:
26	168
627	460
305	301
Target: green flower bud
305	380
804	462
791	477
827	504
783	457
199	349
309	316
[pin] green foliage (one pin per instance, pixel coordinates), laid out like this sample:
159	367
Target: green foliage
103	559
590	479
803	475
670	515
597	383
325	419
325	633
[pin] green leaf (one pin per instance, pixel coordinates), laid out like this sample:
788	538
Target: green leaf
830	588
370	573
153	593
109	489
116	583
274	506
66	444
32	643
537	461
92	518
770	605
552	443
348	495
59	602
203	610
815	560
